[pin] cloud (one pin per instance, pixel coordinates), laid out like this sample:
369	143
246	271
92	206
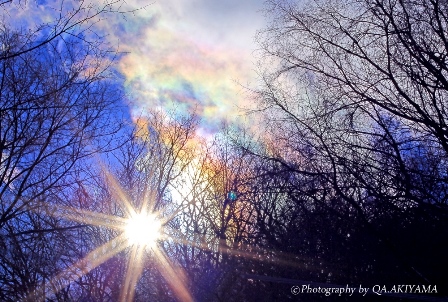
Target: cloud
190	55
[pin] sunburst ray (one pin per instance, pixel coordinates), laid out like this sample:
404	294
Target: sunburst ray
78	269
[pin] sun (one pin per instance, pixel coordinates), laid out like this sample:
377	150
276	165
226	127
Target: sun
138	232
143	229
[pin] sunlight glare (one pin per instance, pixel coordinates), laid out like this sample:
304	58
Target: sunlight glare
142	229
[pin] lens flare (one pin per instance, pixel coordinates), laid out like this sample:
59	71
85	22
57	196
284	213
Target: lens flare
143	229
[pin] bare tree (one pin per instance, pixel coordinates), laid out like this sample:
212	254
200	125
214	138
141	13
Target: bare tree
142	173
58	107
355	109
76	19
54	110
388	55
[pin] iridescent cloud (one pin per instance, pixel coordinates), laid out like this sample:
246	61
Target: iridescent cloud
188	57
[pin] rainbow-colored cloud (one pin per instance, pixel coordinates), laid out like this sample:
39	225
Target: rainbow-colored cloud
191	56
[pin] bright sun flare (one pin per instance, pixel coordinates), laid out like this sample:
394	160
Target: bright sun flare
138	232
143	229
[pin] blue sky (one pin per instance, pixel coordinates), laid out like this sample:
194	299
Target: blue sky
193	55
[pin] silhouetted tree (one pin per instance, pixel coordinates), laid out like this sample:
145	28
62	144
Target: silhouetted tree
58	108
354	103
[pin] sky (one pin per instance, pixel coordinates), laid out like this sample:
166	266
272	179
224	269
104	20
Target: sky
182	55
191	55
